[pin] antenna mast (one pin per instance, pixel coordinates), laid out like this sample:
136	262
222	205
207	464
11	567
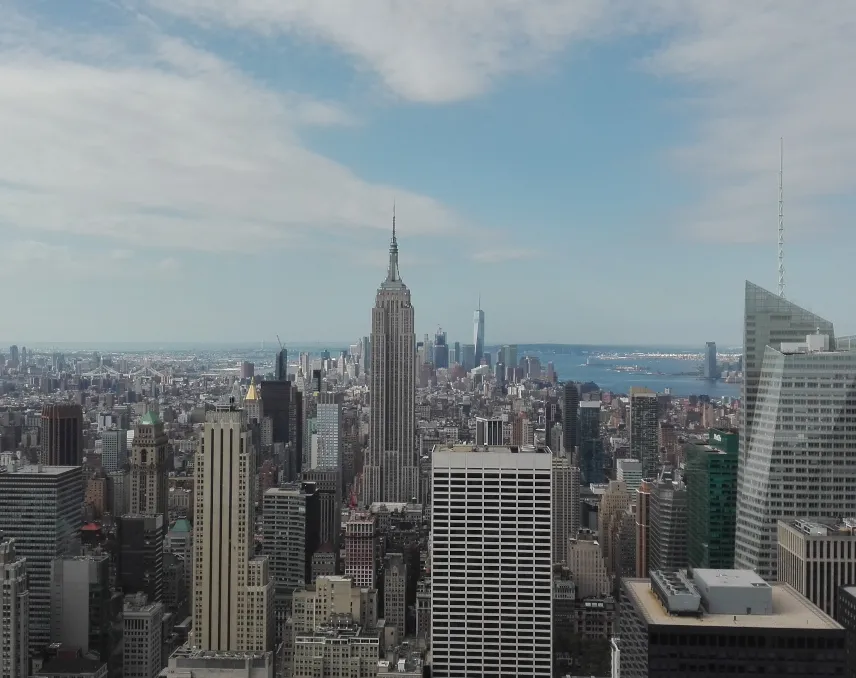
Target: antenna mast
781	221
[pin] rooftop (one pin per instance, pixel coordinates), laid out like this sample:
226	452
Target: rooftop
181	525
493	449
790	611
823	527
150	419
38	469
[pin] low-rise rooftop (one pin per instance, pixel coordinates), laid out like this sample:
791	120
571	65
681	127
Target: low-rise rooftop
790	611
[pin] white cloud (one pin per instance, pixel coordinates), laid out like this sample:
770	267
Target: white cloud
497	256
147	140
754	71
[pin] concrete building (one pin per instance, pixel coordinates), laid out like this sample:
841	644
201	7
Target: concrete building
114	450
566	504
630	471
667	536
802	446
395	593
613	504
179	542
233	589
329	431
643	522
14	612
711	477
61	435
643	425
817	557
362	549
41	509
723	622
187	662
588	566
329	597
291	529
143	625
390	472
338	649
85	612
509	494
148	479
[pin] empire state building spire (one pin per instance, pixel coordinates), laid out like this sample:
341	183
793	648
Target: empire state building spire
392	274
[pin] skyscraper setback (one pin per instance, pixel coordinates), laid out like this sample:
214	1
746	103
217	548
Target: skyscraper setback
391	471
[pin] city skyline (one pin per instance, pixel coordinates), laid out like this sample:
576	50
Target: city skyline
198	154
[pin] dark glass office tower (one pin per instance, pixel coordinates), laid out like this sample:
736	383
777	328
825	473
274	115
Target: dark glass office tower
591	457
570	417
139	567
281	367
62	435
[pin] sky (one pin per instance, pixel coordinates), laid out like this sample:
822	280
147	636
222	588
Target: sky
598	171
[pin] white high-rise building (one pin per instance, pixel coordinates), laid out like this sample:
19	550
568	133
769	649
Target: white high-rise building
630	471
14	614
478	334
329	431
801	457
390	473
233	589
114	450
493	558
41	507
143	638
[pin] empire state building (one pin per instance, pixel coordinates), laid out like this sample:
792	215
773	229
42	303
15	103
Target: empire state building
390	472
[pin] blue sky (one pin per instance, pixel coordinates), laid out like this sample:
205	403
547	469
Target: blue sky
601	171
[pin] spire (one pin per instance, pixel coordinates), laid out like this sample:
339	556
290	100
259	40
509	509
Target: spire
252	393
392	273
479	308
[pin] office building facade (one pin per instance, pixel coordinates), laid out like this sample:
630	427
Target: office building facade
139	563
233	589
14	612
143	626
566	504
149	490
499	550
802	462
591	451
114	450
644	430
41	509
570	418
711	478
668	525
61	435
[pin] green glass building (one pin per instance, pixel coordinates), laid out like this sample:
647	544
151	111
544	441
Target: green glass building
711	477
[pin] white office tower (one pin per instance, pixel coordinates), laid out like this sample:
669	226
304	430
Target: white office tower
566	504
478	334
630	471
14	615
114	450
329	431
233	589
801	457
492	562
41	507
390	473
768	321
143	638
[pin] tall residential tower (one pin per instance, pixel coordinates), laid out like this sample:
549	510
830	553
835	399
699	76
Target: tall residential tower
391	469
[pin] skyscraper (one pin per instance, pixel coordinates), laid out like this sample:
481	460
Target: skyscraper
441	350
801	458
329	431
591	457
668	525
513	492
566	504
644	430
291	529
281	367
14	614
570	418
711	371
233	590
139	565
768	321
114	450
149	489
41	507
62	435
478	334
391	470
467	357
